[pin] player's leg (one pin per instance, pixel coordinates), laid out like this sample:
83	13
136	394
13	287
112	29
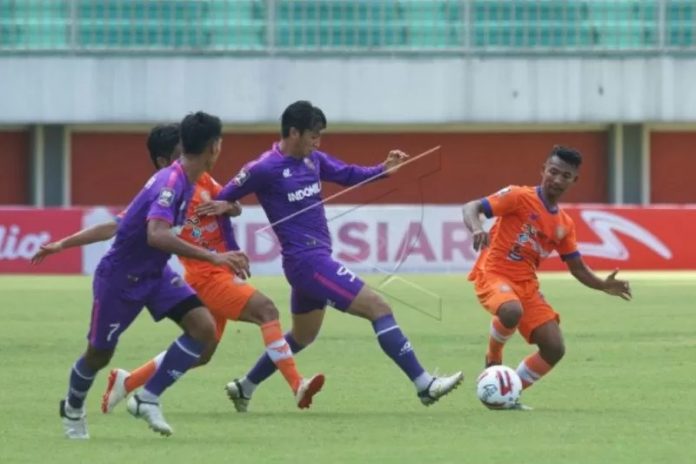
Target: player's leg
173	298
540	325
306	323
499	297
371	306
110	317
549	339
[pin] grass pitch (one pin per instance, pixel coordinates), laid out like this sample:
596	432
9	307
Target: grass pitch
623	394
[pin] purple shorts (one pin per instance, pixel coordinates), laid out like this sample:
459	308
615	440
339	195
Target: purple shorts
318	281
119	298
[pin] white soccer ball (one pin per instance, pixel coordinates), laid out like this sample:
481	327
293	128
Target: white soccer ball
499	387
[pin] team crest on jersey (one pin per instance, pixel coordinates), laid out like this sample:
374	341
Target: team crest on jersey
166	197
561	232
287	173
504	288
309	163
241	177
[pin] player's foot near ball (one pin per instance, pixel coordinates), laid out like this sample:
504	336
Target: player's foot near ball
115	390
74	421
521	407
439	387
236	394
307	389
488	362
151	413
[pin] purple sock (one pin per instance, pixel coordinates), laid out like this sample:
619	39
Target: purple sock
181	355
81	378
397	346
264	367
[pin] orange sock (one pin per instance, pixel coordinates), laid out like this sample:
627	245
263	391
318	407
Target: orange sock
498	336
142	374
532	368
280	353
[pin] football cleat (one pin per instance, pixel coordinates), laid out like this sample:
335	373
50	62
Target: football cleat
74	422
151	413
115	390
439	387
237	396
307	389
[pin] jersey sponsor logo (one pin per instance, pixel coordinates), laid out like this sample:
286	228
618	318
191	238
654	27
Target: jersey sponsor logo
241	177
165	197
301	194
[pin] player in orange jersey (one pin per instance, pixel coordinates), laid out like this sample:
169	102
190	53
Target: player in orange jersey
530	225
226	296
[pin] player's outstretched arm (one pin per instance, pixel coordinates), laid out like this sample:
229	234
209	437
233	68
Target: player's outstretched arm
334	170
610	285
471	213
159	235
93	234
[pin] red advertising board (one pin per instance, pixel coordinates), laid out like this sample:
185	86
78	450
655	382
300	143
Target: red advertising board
23	230
634	237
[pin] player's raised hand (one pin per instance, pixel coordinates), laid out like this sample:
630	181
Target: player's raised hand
238	261
481	239
46	249
218	208
395	158
616	287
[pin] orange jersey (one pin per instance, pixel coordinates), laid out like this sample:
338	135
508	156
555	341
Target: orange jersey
209	232
526	231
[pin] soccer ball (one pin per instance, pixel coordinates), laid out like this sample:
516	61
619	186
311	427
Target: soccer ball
499	387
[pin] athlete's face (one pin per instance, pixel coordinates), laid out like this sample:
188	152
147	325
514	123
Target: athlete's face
556	177
308	142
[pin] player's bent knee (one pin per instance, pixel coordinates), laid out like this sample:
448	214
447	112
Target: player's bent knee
510	314
552	352
199	324
207	354
369	305
97	358
266	312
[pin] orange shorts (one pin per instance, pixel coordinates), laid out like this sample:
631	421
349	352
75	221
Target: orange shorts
493	290
223	294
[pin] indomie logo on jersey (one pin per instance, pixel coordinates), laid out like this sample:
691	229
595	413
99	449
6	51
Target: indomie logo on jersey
301	194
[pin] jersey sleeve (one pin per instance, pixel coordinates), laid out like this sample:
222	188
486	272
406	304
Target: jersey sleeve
335	170
166	201
568	246
251	178
502	202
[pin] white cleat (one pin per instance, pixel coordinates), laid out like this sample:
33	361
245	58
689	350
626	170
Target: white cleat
74	422
236	394
115	390
521	407
307	389
151	413
439	387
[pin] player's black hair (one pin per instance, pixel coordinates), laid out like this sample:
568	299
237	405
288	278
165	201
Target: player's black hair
198	131
303	116
162	141
569	155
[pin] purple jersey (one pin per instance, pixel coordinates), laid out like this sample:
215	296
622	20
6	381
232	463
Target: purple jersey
164	197
289	190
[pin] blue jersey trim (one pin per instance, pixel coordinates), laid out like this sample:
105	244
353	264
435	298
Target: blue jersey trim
575	254
487	210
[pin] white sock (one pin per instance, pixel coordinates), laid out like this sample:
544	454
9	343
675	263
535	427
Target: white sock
147	396
248	386
422	381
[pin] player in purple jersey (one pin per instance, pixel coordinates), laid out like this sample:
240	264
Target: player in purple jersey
134	273
287	182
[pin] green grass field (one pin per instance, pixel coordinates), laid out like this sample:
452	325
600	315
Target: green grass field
623	394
